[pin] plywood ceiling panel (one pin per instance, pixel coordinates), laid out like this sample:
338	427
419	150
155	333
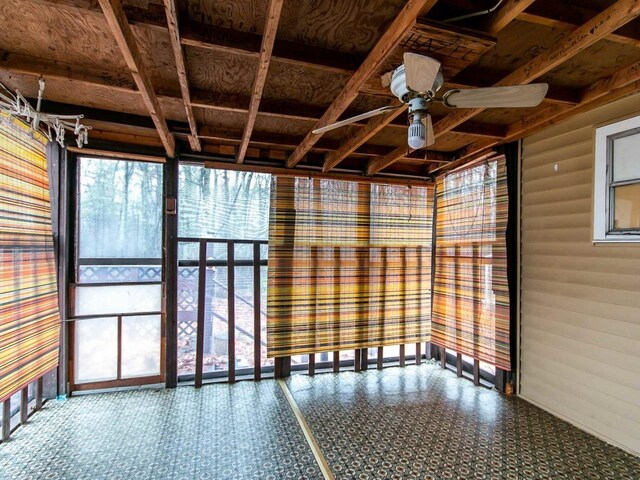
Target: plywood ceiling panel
41	30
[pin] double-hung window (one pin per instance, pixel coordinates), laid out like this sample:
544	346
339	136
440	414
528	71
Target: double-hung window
617	182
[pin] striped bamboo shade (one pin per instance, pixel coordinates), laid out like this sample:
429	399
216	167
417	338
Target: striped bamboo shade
29	317
471	293
349	265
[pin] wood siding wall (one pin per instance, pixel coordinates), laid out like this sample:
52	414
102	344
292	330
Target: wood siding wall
580	302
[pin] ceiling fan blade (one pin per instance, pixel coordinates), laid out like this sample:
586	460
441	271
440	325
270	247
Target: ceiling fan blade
357	118
497	97
428	127
420	72
386	78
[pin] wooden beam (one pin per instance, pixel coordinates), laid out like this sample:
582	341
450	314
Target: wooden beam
605	90
352	143
381	163
389	40
270	29
507	12
584	36
309	173
121	82
113	154
568	16
121	30
181	68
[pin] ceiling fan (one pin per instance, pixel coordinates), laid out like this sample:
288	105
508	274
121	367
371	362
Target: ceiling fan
416	83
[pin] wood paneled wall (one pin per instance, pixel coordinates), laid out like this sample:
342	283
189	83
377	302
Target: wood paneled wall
580	302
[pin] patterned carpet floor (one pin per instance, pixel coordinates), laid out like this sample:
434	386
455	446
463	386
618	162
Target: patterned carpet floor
241	431
399	423
420	422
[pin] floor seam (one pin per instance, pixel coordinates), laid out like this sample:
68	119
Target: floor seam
308	434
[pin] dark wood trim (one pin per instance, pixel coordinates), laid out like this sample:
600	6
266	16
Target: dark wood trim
459	364
231	307
443	357
257	299
336	362
402	355
418	353
364	359
125	382
202	286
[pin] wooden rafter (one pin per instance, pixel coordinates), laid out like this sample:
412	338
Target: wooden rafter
569	15
581	38
276	108
507	12
389	40
181	67
352	143
608	89
121	30
268	39
587	34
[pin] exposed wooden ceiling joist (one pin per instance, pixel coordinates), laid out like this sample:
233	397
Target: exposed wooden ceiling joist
181	68
14	63
350	144
618	14
569	15
389	40
507	12
121	30
606	90
268	38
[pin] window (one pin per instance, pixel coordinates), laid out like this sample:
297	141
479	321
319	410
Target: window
617	182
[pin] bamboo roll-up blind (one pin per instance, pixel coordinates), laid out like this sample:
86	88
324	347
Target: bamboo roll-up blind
471	293
349	265
29	316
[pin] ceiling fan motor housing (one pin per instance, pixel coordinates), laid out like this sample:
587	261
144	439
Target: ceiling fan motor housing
399	85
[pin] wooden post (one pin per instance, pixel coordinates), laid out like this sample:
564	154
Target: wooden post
364	359
476	372
39	391
282	367
257	332
24	405
336	362
170	271
6	419
202	285
380	357
231	305
443	357
119	356
312	364
356	360
402	355
459	364
418	353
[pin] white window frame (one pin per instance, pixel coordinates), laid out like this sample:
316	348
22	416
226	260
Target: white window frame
602	213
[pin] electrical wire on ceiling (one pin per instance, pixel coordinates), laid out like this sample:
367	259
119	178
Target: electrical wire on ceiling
479	13
54	127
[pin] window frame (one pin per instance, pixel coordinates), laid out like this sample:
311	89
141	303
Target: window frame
603	190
